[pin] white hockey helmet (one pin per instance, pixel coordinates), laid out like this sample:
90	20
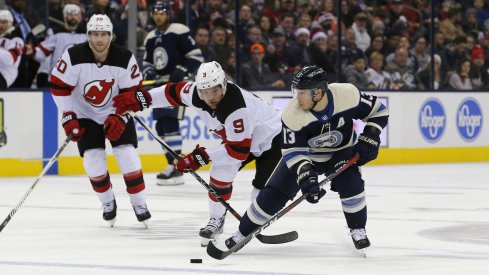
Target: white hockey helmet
99	22
210	75
7	16
71	8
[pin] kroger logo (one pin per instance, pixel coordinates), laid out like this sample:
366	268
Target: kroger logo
469	119
432	120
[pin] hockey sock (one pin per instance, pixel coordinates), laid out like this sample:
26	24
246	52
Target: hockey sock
216	209
102	186
135	187
254	193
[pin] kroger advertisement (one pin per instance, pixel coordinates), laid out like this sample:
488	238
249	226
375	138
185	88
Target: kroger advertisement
31	131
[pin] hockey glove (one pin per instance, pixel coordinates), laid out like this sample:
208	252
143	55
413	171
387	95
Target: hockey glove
193	161
308	182
367	145
114	126
178	74
72	126
132	101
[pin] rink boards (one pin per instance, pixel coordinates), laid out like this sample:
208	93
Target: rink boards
423	128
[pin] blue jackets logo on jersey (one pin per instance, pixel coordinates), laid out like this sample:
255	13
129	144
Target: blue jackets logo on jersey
329	139
160	58
469	119
432	120
98	92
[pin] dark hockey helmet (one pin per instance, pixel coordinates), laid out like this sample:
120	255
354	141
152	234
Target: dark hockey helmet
310	78
163	6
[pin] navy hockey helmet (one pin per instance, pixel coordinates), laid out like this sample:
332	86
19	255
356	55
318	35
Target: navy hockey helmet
310	78
163	6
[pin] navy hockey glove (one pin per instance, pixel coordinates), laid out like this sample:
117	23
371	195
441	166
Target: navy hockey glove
72	126
367	145
308	182
193	161
178	74
114	126
132	101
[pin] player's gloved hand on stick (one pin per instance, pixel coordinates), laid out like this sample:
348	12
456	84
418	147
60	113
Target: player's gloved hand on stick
367	145
193	161
308	182
72	126
177	74
114	126
132	101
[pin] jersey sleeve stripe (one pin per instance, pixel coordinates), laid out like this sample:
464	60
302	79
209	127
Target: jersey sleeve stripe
60	88
44	50
239	150
172	95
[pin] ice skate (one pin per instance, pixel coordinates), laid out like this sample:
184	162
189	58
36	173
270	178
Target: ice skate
142	213
360	240
169	176
232	241
211	230
110	212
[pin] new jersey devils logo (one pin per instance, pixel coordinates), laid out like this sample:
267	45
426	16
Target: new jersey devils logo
98	92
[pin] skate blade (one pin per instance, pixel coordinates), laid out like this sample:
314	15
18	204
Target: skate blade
170	182
111	222
145	224
363	252
204	242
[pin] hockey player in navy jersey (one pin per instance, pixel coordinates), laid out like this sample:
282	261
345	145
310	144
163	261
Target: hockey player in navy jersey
171	54
318	137
249	128
83	84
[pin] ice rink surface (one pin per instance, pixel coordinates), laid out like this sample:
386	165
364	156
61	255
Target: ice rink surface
423	219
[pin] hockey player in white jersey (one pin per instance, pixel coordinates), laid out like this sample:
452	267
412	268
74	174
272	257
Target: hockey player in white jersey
51	49
318	138
249	128
83	84
10	51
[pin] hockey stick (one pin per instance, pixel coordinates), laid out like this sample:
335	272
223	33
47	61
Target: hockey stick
216	253
274	239
43	172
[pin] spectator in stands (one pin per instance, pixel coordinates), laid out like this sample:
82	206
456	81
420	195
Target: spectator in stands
257	75
217	44
332	54
457	52
297	53
460	79
418	51
401	73
346	14
423	77
362	38
376	45
355	73
201	38
276	52
287	24
266	25
245	20
318	55
377	78
304	21
253	36
482	13
348	48
479	74
451	27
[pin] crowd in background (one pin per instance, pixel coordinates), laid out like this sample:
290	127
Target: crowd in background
385	45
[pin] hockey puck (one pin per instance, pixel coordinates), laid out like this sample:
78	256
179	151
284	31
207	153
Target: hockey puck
195	261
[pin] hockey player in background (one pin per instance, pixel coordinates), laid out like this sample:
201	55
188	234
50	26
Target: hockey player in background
53	46
170	54
249	128
318	137
83	84
10	51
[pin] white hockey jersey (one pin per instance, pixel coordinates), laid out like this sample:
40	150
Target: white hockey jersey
244	122
9	62
54	46
82	85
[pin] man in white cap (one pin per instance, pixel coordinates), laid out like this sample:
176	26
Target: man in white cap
10	50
